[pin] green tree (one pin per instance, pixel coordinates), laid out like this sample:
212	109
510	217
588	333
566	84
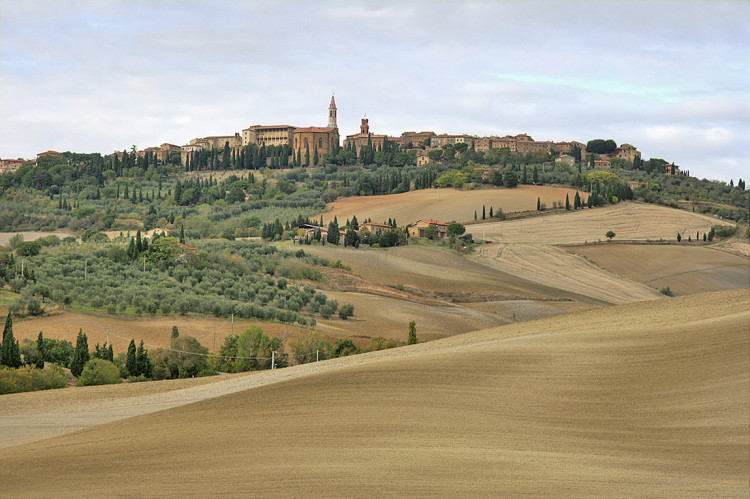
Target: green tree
455	229
344	348
510	179
143	362
412	333
99	372
346	311
610	235
131	364
309	348
81	354
333	236
10	352
41	349
577	201
679	237
175	332
567	203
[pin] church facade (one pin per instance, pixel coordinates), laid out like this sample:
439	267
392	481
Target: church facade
320	139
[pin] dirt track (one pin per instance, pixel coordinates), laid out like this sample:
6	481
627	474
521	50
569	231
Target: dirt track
644	399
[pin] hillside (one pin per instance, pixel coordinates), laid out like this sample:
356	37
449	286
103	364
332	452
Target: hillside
445	204
644	399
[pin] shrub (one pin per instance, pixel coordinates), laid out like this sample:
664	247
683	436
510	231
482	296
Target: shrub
27	379
99	372
666	291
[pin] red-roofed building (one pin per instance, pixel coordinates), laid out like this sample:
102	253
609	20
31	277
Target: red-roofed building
47	153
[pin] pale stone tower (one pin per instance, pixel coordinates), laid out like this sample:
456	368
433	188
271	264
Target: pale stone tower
332	114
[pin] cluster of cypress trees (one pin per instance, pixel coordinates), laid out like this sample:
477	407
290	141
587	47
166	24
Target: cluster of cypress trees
10	353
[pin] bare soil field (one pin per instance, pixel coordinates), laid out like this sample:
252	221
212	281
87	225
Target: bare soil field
643	399
424	268
685	269
556	267
628	220
444	204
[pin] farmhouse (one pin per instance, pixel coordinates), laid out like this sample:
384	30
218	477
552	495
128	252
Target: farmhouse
603	164
375	228
418	229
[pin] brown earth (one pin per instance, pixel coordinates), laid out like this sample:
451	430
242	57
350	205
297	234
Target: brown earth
628	220
443	204
685	269
154	331
643	399
556	267
31	235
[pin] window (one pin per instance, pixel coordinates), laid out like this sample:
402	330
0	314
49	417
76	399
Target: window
320	143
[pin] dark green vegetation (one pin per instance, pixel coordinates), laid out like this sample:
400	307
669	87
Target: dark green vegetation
220	278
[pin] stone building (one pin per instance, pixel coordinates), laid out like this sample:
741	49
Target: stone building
364	137
322	139
268	135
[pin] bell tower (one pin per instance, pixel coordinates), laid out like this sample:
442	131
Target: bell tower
332	114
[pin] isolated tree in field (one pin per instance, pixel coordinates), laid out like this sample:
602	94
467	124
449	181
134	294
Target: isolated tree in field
679	237
484	213
10	352
538	204
491	215
131	362
577	201
475	214
610	235
567	203
175	332
412	332
80	355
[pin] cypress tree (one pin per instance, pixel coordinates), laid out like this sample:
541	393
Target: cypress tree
143	362
538	204
131	362
10	354
81	354
484	213
175	332
567	203
40	349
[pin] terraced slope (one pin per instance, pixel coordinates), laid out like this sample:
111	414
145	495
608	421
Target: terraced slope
643	399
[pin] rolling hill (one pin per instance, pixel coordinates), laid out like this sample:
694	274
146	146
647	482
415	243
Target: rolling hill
643	399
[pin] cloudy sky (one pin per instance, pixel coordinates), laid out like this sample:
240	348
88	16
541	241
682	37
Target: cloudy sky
671	78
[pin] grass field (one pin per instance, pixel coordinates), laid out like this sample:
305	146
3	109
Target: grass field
685	269
643	399
629	221
444	204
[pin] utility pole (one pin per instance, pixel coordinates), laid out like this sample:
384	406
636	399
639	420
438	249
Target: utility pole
144	264
22	260
317	356
273	359
107	337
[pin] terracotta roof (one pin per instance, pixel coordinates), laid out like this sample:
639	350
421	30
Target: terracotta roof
314	129
432	222
365	135
254	127
47	152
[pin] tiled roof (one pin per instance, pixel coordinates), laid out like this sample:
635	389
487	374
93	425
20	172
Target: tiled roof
314	129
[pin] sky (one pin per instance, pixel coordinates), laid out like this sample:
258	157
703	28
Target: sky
671	78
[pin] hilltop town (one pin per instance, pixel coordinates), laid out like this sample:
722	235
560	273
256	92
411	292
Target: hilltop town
305	146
